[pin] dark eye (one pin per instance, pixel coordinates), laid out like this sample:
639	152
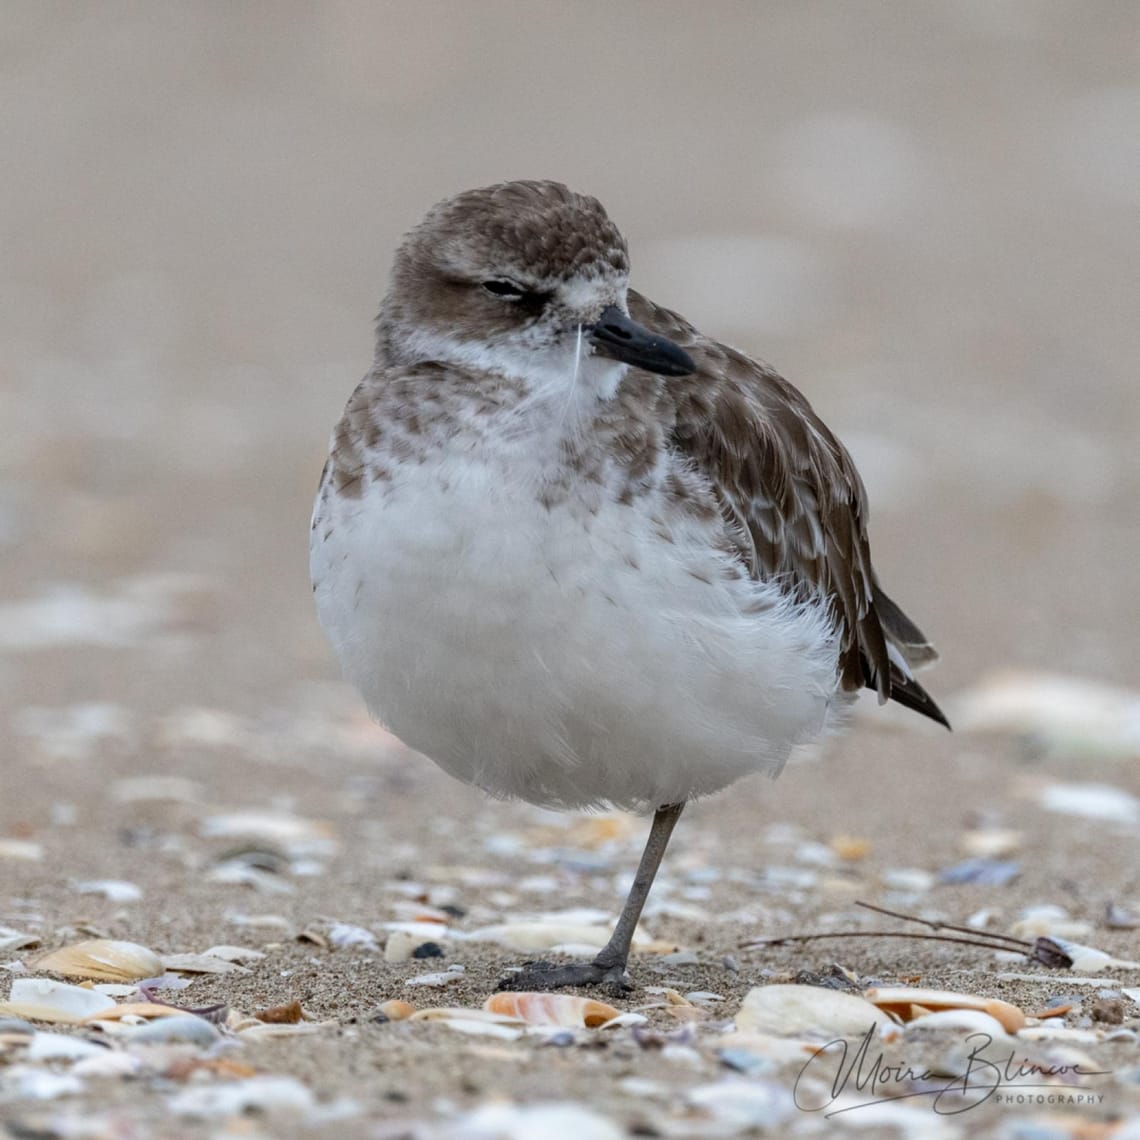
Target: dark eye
508	290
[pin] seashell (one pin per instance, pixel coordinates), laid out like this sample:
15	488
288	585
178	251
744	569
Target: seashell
102	960
990	842
962	1020
260	1031
188	1028
546	1121
60	1047
282	1014
143	1009
200	964
1061	1033
796	1010
267	827
539	937
1065	712
1048	919
442	978
910	879
1091	960
240	954
738	1105
1093	801
908	1003
345	936
108	1064
23	849
396	1010
552	1009
624	1019
11	940
458	1013
400	945
40	999
262	1094
15	1027
981	871
1117	917
768	1047
114	890
474	1022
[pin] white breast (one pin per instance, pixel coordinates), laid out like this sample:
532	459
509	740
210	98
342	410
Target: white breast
566	656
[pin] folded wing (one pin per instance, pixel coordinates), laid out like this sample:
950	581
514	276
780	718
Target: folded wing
794	502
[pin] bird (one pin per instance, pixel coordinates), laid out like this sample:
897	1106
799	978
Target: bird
577	552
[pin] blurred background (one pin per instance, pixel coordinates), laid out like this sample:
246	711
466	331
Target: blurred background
925	216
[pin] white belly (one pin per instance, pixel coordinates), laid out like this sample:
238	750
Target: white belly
559	656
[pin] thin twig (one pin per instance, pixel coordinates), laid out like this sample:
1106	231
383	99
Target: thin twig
934	924
1045	951
871	934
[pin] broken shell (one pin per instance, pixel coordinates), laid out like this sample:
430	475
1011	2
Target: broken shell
463	1013
796	1010
243	955
13	940
146	1009
200	964
960	1020
282	1014
60	1047
102	960
396	1010
40	999
1089	958
400	945
261	1031
543	937
552	1009
907	1004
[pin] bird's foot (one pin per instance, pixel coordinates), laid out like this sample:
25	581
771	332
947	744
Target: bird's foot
610	976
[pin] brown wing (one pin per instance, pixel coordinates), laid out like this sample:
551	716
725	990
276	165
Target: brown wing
790	493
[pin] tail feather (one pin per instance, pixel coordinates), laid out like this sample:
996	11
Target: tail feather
912	643
915	649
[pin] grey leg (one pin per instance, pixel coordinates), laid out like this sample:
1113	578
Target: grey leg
608	967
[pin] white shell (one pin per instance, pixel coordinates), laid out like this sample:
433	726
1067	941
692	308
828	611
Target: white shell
794	1010
115	890
40	999
60	1047
1092	960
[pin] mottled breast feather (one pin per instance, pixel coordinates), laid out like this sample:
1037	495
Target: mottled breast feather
792	498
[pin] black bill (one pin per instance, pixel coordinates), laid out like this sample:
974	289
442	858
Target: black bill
619	338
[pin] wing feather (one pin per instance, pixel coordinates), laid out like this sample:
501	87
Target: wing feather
791	496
